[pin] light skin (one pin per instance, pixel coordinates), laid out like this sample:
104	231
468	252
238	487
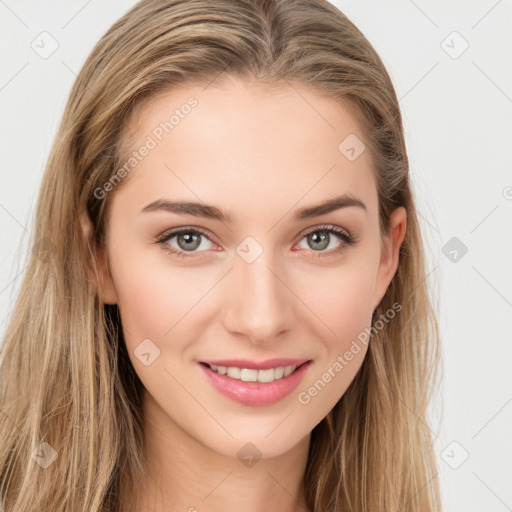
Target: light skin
260	154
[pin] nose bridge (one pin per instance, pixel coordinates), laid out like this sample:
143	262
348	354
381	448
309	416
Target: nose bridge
260	305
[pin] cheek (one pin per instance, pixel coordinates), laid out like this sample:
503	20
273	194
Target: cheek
343	305
335	369
152	296
341	299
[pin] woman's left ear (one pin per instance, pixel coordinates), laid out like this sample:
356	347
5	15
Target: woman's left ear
390	254
99	272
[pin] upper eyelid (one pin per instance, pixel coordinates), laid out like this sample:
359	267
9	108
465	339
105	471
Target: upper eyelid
171	233
325	226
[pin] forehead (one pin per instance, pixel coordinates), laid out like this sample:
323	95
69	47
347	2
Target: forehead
240	141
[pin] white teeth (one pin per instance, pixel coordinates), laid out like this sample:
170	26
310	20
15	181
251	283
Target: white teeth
233	372
288	370
267	375
250	375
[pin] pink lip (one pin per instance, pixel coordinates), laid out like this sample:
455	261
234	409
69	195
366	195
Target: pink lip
255	365
256	393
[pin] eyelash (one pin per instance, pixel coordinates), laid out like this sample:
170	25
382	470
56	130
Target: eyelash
344	235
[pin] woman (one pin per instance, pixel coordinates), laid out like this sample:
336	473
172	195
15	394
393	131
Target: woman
226	297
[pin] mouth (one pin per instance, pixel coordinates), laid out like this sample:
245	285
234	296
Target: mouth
255	386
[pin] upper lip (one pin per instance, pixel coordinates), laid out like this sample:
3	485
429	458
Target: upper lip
256	365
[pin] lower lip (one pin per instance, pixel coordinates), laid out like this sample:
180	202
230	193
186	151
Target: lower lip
255	393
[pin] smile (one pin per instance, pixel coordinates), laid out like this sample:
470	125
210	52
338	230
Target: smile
255	386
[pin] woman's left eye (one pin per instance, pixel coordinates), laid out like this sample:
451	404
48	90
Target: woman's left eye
324	237
190	241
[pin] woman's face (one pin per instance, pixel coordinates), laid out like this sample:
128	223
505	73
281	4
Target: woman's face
254	275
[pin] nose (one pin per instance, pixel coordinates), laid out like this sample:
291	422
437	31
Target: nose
261	306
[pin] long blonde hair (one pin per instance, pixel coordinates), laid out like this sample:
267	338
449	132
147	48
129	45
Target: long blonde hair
68	389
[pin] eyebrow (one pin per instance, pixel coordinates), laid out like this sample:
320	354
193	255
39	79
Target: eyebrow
214	212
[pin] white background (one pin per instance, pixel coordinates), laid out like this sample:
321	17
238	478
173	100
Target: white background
458	122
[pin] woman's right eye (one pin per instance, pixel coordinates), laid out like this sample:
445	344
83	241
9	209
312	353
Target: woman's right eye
186	241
